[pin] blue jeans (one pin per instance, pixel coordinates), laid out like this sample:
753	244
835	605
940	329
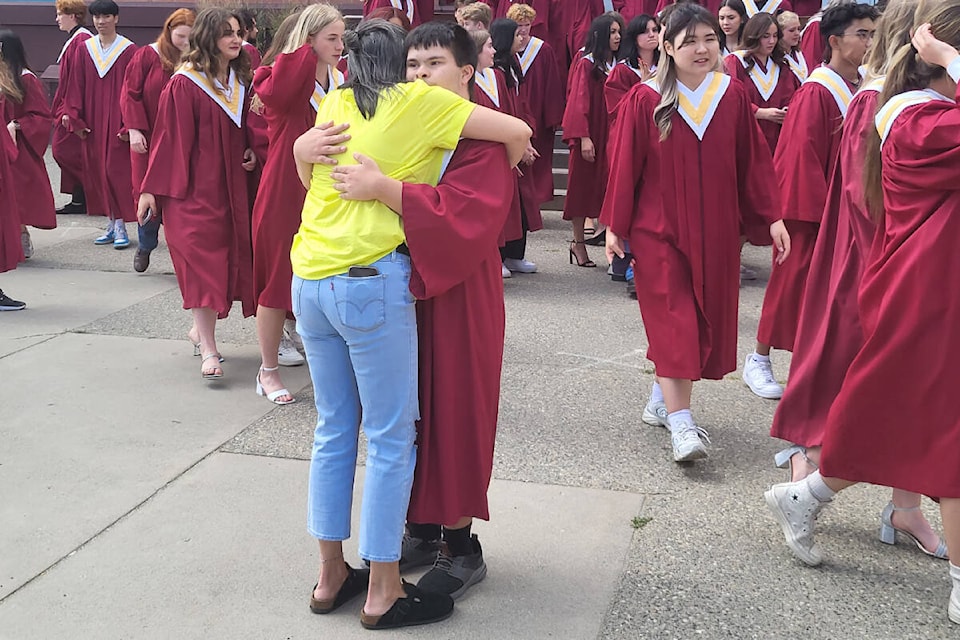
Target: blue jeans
360	337
149	235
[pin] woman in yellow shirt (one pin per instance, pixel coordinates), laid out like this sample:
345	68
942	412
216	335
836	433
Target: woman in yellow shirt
356	317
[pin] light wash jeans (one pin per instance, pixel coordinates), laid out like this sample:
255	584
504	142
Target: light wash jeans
360	337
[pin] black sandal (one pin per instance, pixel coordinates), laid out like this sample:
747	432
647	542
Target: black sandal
586	263
355	584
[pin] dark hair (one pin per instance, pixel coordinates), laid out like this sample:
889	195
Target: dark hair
377	62
628	45
503	31
15	60
103	8
247	19
449	36
204	55
738	6
838	16
388	14
755	29
598	41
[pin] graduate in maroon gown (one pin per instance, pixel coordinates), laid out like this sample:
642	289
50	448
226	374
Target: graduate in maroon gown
539	23
772	7
790	43
290	89
804	162
732	15
452	234
199	157
148	73
542	94
11	252
29	115
418	11
91	111
585	129
630	9
762	68
812	43
67	152
829	334
578	15
906	312
682	216
640	52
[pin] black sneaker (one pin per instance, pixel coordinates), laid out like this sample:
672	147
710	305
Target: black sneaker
416	552
453	575
419	607
9	304
72	207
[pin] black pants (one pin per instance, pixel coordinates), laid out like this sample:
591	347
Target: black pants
517	249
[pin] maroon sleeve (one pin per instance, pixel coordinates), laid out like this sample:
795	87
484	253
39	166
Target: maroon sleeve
812	46
34	116
72	105
169	171
618	83
289	82
131	99
629	143
802	159
756	180
452	227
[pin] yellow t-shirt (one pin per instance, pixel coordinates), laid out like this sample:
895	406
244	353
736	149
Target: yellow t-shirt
413	125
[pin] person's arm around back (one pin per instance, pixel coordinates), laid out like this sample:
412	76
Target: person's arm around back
493	126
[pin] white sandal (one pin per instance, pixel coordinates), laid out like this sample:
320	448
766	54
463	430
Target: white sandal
272	396
888	532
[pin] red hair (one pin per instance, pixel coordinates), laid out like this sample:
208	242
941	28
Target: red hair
169	54
390	13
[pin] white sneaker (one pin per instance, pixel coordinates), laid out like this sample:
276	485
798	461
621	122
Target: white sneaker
954	609
506	273
290	331
520	266
288	355
27	243
796	509
655	414
759	377
687	441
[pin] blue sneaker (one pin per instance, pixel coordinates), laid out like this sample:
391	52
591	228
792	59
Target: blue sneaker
121	240
109	235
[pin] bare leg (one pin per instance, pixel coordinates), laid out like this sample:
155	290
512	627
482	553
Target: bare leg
837	485
579	249
950	512
385	588
909	517
333	571
676	393
269	331
205	321
762	349
801	466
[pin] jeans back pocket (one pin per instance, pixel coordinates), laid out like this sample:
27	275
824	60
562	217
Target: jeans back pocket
360	301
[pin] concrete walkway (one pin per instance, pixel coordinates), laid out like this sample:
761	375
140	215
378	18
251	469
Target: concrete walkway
137	501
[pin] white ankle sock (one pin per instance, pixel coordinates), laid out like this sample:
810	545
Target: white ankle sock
679	417
657	394
818	487
760	358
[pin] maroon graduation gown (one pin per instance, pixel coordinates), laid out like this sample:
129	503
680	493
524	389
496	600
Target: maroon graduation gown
285	88
680	203
34	195
541	24
778	98
577	15
142	85
585	117
713	6
513	223
93	103
11	250
542	93
452	231
66	148
812	44
829	334
895	421
630	9
621	79
195	171
804	162
422	9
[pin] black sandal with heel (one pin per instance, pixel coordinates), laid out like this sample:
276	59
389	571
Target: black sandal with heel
586	263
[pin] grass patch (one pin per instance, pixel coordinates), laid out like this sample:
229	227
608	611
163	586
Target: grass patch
639	522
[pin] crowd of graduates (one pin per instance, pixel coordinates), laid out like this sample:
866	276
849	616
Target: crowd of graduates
364	192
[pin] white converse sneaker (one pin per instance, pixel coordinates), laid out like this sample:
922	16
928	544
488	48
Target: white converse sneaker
687	439
506	273
520	266
759	377
954	609
655	414
796	509
288	356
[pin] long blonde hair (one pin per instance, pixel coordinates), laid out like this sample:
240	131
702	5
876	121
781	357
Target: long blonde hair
906	72
893	31
680	20
314	19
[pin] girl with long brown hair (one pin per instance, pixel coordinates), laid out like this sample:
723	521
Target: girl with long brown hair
148	73
197	177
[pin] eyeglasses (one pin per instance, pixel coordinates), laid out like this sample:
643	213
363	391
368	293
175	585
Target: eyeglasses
863	34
